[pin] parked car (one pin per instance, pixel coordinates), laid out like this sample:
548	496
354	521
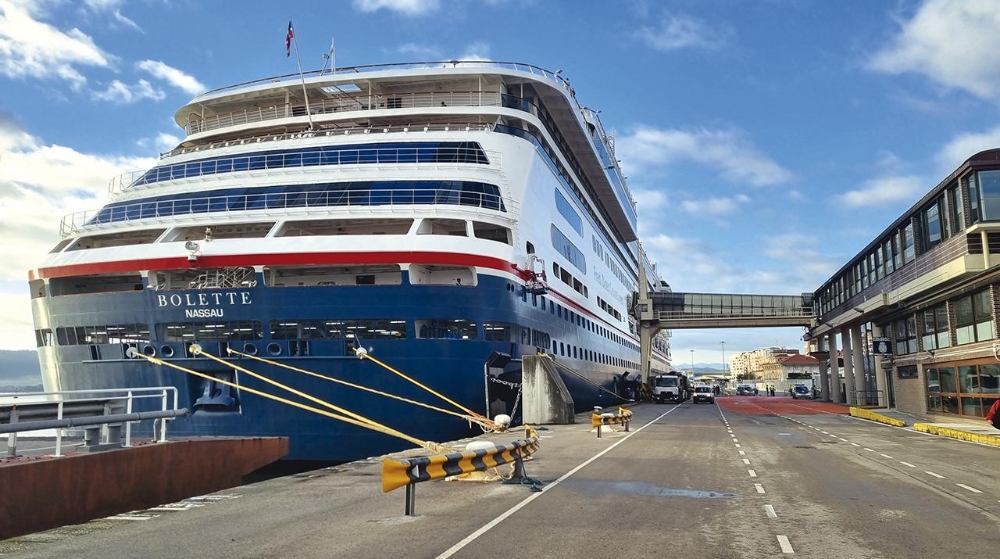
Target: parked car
703	393
801	391
746	390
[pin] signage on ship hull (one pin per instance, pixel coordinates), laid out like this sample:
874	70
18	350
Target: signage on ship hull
203	305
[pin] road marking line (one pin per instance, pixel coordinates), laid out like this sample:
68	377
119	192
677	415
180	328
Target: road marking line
770	511
886	456
786	546
824	432
855	444
742	453
973	489
737	446
939	476
735	440
752	473
843	439
746	461
511	511
907	464
868	449
759	488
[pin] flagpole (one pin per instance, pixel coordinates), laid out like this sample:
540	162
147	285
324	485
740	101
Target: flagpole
303	78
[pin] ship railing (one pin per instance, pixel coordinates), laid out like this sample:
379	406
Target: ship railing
346	102
340	131
737	313
275	205
442	158
225	278
353	70
91	409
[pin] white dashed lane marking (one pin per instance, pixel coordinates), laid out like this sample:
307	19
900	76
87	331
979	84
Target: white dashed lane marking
886	456
786	546
907	464
770	511
746	461
973	489
752	473
939	476
759	488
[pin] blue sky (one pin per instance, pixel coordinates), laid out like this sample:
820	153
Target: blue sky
766	141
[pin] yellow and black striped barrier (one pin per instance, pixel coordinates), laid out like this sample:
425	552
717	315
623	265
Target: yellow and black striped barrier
400	472
623	417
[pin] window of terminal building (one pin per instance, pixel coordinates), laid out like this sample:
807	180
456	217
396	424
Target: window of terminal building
935	332
905	335
908	253
957	209
933	231
989	189
973	192
974	318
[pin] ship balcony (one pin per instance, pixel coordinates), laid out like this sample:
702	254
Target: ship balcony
344	105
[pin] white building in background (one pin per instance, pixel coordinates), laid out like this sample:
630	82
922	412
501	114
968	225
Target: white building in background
756	363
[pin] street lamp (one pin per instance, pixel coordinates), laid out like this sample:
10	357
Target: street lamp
723	358
692	362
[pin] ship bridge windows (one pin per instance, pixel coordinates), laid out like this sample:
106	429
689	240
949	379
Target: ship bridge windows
60	245
331	227
235	330
124	238
434	274
446	329
79	285
217	231
347	274
339	329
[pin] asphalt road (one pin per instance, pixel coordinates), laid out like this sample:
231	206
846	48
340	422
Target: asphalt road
743	478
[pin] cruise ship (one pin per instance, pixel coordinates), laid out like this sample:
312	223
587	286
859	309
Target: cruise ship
448	218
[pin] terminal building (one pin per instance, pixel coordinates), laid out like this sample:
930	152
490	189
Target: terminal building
913	316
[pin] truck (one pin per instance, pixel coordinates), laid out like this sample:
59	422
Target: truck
673	387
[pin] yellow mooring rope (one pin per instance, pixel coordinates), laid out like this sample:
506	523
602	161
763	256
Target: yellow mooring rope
354	419
480	420
363	354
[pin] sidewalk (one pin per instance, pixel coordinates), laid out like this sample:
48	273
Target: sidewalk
967	429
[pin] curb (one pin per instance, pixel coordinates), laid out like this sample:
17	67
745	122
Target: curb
992	440
872	416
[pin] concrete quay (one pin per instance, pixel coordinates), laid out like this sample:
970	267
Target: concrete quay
734	479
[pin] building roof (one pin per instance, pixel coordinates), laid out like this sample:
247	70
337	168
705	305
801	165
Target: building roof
799	359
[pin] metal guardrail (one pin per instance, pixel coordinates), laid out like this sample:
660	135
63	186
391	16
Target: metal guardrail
621	417
51	410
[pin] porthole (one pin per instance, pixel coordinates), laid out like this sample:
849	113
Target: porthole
149	350
251	349
167	351
274	349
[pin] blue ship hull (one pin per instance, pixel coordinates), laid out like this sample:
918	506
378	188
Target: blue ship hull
454	367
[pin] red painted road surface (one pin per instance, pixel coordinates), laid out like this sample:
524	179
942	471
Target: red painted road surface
778	405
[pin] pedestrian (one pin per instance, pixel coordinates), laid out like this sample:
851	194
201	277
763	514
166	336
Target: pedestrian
993	417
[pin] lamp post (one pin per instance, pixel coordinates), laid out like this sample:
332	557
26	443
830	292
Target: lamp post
692	362
723	358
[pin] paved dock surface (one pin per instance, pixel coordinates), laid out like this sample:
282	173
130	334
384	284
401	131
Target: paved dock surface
741	478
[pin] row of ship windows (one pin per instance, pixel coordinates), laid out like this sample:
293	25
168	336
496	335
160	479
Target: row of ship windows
361	331
942	217
359	154
575	318
321	195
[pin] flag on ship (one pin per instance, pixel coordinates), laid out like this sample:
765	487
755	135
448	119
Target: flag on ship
288	39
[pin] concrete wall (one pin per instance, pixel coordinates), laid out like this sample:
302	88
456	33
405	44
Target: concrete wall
911	393
544	396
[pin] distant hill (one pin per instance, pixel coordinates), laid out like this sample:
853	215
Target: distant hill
19	368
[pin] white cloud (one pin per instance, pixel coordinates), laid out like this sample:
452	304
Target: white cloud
476	51
727	151
649	201
31	48
805	260
964	146
419	51
715	206
166	142
40	183
125	21
680	31
405	7
171	75
18	331
955	43
118	92
885	190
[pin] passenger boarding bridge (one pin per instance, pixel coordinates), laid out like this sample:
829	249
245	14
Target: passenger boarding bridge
674	311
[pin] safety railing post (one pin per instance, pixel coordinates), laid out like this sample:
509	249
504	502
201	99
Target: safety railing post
411	498
128	424
59	432
12	437
598	431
